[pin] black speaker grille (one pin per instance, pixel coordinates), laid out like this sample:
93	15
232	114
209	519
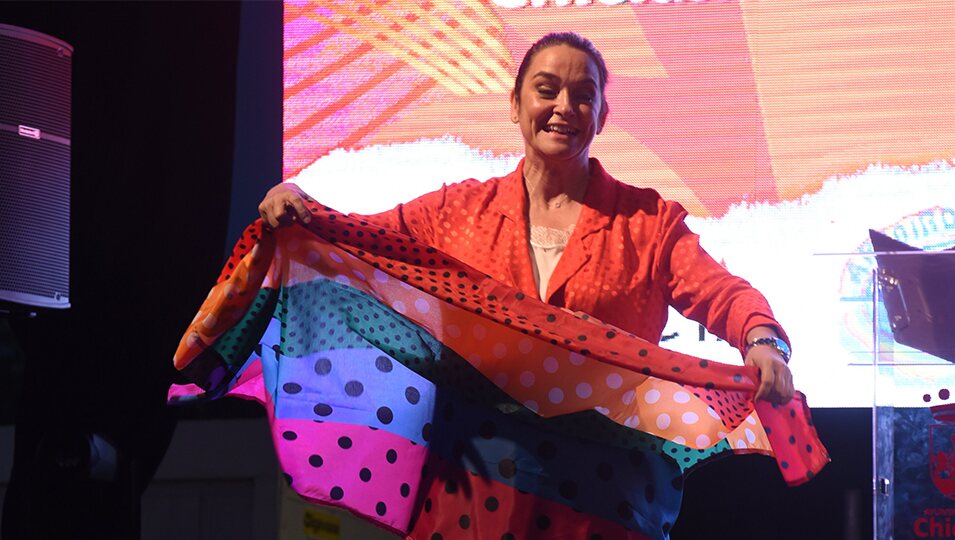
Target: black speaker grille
34	173
34	86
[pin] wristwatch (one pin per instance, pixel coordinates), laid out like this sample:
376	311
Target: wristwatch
773	342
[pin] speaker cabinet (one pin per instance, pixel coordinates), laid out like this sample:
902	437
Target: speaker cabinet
35	86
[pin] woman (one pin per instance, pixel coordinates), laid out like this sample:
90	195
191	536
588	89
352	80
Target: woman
529	426
559	103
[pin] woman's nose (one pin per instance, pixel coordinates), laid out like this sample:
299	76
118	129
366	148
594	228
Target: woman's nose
564	105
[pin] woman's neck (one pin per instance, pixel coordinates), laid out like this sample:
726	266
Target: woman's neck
555	185
555	193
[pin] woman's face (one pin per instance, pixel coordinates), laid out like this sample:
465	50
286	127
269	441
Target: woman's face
560	107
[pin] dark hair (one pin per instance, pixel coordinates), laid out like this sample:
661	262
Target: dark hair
571	39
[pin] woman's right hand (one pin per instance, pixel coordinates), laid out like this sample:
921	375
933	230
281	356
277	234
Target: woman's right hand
283	205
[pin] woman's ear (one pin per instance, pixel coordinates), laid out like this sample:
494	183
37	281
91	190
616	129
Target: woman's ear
515	107
602	116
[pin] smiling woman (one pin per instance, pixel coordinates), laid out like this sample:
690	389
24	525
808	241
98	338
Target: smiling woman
521	314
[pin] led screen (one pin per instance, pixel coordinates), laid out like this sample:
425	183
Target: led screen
786	128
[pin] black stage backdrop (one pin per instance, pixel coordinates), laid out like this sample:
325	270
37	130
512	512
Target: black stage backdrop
176	135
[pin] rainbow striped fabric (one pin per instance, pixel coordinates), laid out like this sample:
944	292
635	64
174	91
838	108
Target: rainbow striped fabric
425	396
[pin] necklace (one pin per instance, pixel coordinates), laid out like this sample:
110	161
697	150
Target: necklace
556	203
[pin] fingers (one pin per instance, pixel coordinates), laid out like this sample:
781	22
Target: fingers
283	205
775	384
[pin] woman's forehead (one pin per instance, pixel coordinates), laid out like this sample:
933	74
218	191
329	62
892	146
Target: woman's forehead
564	62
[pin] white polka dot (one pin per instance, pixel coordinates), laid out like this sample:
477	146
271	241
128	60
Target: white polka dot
703	441
556	395
550	364
681	397
721	434
335	257
500	380
741	444
343	279
380	276
750	436
400	307
584	390
751	420
525	346
632	421
679	440
527	379
475	360
614	380
652	396
576	359
312	257
628	396
479	331
712	412
499	350
453	330
532	405
422	305
602	410
663	421
690	417
359	275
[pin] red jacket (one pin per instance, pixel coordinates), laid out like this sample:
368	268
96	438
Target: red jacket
629	257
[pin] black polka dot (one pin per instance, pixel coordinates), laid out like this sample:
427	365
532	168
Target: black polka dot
391	456
649	493
437	536
784	464
426	432
323	409
507	468
412	395
491	504
405	490
292	388
337	493
364	474
604	471
354	388
380	508
315	460
383	364
385	416
323	366
427	505
677	483
507	536
464	521
344	443
636	457
542	522
704	363
596	537
289	435
568	489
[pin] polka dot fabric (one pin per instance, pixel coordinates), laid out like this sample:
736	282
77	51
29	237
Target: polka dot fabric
357	336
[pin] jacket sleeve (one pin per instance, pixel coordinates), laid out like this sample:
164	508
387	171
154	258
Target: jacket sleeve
417	218
703	290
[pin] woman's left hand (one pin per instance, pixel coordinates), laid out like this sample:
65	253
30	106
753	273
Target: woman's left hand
775	379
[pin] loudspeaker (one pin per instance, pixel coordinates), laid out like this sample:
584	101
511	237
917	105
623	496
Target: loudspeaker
35	88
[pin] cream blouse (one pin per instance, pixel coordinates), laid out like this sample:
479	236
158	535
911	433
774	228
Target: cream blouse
547	245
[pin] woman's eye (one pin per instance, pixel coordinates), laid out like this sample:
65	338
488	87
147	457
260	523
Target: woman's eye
546	92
